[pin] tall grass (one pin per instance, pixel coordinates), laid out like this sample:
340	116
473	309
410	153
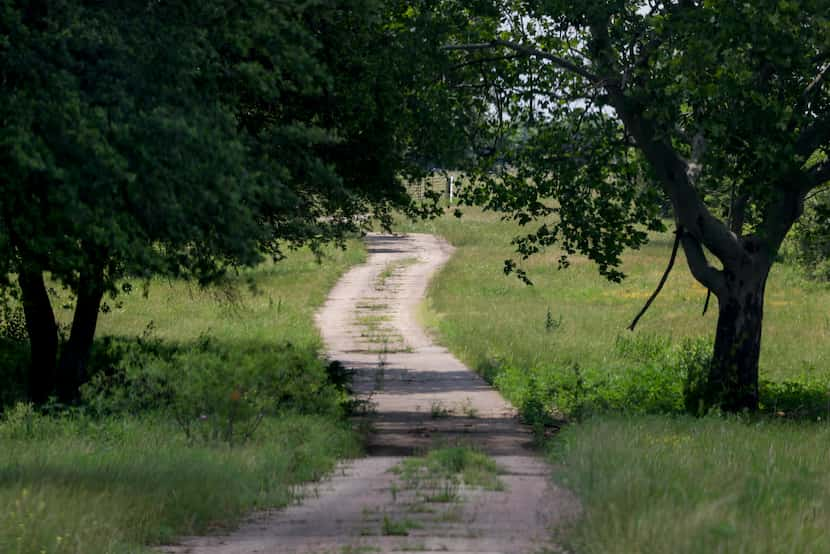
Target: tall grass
73	485
697	486
275	301
119	474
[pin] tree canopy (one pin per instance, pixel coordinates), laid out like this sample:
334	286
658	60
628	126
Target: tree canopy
187	138
719	108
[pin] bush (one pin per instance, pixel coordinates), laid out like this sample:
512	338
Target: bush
214	391
650	376
808	398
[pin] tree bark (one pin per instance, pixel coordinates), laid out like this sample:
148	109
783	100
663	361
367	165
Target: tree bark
732	383
43	335
72	369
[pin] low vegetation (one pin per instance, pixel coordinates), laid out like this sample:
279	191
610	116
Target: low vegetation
652	479
456	464
75	484
697	486
205	404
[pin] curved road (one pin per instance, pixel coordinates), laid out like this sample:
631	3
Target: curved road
418	396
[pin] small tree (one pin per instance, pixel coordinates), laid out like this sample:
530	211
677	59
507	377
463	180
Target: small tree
720	107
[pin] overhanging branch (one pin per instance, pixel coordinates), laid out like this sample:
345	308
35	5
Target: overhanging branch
528	51
489	59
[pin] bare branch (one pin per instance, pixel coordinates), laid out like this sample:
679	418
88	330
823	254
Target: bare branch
489	59
663	279
816	83
706	302
529	51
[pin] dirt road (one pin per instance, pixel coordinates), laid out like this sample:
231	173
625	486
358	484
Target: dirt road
418	396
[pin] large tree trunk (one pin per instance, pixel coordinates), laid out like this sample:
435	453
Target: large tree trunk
733	375
75	353
43	334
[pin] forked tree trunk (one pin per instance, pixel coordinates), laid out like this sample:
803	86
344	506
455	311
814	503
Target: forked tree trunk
72	369
733	375
43	335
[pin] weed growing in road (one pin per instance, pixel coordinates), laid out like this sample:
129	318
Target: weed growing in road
391	269
380	371
400	527
371	306
437	410
453	514
473	468
363	549
412	547
445	491
467	408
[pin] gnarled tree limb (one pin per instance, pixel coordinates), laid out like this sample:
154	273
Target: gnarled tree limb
708	276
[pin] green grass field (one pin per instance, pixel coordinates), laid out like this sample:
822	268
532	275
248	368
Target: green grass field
488	317
86	483
664	481
652	484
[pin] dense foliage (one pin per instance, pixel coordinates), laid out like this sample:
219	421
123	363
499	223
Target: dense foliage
187	138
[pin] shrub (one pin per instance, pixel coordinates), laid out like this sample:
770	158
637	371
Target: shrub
650	376
807	398
214	391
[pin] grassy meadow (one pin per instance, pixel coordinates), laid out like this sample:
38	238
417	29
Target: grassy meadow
489	318
149	456
655	484
651	478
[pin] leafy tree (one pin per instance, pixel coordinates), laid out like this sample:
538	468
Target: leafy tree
720	107
184	139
